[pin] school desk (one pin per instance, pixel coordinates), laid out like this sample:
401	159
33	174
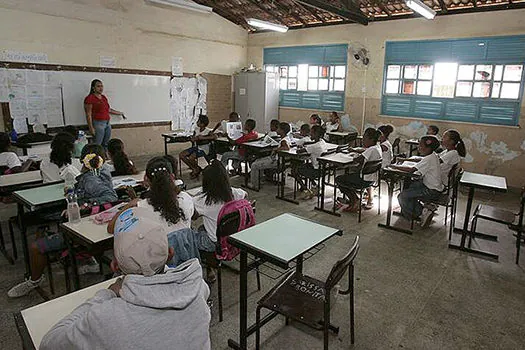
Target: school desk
474	181
174	137
9	184
28	145
295	159
393	176
128	180
255	150
89	235
34	200
412	144
279	241
342	137
326	164
34	323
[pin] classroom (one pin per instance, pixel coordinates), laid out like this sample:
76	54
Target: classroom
262	174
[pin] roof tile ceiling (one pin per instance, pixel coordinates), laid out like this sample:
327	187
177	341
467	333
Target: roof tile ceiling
295	14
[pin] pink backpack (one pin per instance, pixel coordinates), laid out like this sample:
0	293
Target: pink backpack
226	251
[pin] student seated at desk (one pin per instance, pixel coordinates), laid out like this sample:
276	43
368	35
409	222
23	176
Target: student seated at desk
61	165
432	130
119	163
94	186
333	123
274	125
452	154
426	189
372	152
219	128
80	139
315	119
216	191
310	170
237	155
150	307
270	162
201	134
9	160
304	135
386	146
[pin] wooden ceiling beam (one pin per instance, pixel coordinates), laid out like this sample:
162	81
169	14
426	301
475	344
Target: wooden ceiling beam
443	6
288	10
310	11
346	14
223	12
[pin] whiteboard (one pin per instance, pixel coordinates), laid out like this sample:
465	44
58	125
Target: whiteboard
142	98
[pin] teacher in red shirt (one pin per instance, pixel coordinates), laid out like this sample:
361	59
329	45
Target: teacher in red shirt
98	113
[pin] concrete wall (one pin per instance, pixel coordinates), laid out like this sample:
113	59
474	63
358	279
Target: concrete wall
138	35
492	149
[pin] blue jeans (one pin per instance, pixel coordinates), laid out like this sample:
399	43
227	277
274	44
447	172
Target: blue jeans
102	132
409	199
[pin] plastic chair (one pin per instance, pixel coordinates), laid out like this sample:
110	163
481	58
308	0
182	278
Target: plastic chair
309	300
502	216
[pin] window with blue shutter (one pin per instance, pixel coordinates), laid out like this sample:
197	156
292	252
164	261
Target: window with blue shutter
310	77
478	80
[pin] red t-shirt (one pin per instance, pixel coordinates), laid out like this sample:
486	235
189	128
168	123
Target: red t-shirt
100	109
252	135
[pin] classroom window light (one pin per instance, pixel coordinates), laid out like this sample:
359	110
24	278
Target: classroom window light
304	77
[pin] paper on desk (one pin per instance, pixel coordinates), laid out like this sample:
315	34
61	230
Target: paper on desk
124	182
408	164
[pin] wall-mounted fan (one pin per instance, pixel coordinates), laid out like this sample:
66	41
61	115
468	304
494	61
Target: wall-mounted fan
360	56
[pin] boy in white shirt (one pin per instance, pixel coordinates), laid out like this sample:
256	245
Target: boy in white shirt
270	162
346	183
9	159
202	136
428	188
332	125
386	146
274	125
304	136
311	170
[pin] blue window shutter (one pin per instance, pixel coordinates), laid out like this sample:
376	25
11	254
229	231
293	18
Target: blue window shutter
430	51
316	54
461	111
311	100
498	113
334	101
396	105
509	49
428	108
290	99
400	51
471	50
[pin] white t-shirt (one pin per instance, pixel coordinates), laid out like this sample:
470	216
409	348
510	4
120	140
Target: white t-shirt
448	160
302	141
185	203
429	168
9	159
205	132
371	154
210	213
273	134
315	150
51	172
388	155
329	126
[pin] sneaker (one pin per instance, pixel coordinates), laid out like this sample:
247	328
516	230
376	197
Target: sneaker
25	287
426	217
88	268
307	194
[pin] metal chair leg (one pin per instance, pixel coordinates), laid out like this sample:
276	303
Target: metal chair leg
258	278
50	275
352	301
360	204
219	290
13	242
326	326
518	246
257	328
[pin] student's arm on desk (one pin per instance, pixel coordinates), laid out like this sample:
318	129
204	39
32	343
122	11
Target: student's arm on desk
408	169
73	330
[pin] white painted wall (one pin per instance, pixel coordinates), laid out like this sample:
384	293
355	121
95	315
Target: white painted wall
139	35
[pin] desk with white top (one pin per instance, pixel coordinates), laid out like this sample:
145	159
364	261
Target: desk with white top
34	323
175	137
278	241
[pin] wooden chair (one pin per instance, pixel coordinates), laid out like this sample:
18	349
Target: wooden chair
309	300
227	226
367	169
395	150
502	216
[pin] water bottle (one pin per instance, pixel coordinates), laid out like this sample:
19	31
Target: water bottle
73	210
13	135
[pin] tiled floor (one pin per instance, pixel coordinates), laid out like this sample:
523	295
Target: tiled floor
411	291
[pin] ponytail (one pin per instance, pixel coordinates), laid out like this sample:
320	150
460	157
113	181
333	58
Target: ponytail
458	142
163	192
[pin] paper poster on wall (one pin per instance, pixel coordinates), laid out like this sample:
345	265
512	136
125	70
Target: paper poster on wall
53	78
35	91
176	67
4	94
19	56
18	108
17	76
4	75
17	92
35	77
108	61
20	125
36	116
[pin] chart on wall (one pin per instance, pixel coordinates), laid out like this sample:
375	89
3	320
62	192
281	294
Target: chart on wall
34	96
188	100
